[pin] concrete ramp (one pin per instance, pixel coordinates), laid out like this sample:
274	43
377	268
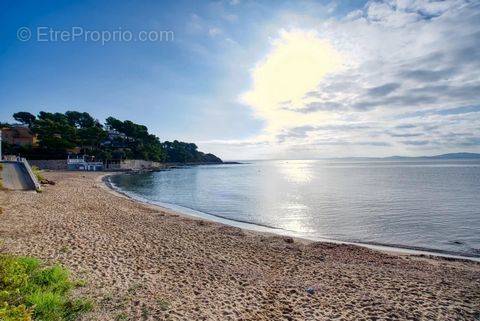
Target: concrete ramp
16	176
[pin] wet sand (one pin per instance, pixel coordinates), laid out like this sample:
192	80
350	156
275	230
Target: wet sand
145	263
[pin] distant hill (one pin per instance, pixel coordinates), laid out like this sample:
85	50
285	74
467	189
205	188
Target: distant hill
442	156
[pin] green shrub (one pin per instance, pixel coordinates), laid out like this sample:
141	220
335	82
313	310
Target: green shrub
31	291
163	304
47	305
15	313
38	172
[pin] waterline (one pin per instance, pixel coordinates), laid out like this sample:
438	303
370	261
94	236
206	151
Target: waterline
182	210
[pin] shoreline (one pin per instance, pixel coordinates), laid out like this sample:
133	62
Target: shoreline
253	227
141	262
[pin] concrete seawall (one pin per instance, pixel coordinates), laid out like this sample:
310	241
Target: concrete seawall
125	165
51	164
129	164
19	176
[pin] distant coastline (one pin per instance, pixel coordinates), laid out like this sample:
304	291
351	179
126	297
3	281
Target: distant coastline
449	156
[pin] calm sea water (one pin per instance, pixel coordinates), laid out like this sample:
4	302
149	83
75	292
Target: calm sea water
419	204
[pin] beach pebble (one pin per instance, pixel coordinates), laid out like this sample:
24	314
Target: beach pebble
143	266
288	240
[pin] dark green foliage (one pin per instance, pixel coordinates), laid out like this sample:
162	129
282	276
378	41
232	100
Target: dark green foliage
127	127
80	120
30	291
137	142
54	131
90	137
209	158
60	133
24	118
180	152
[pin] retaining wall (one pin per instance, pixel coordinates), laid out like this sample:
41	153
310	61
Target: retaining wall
129	164
134	164
52	164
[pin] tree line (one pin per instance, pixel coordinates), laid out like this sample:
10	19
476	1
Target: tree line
59	134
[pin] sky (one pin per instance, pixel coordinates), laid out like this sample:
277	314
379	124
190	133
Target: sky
255	79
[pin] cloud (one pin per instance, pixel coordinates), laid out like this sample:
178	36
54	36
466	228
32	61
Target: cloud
383	90
405	135
460	110
319	106
214	31
393	70
295	65
321	132
195	24
415	142
350	143
297	132
405	126
229	17
426	75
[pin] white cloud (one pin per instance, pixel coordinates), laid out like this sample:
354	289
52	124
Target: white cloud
214	31
195	24
295	65
230	17
390	59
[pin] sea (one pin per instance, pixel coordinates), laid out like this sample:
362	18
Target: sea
424	205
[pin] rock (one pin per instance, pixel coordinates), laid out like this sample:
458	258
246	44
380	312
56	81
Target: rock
311	291
288	240
46	181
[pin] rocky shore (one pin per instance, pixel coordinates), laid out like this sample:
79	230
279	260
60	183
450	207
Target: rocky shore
144	263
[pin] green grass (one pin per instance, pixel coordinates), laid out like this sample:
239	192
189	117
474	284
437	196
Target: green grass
38	172
31	291
121	316
65	249
163	304
145	313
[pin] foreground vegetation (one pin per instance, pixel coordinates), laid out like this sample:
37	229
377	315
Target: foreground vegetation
31	291
38	173
61	133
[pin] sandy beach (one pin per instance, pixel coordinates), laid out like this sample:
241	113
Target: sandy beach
141	262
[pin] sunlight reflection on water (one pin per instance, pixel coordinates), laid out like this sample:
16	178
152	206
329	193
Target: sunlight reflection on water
429	204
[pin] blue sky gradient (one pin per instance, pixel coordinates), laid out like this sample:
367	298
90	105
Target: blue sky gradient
189	88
